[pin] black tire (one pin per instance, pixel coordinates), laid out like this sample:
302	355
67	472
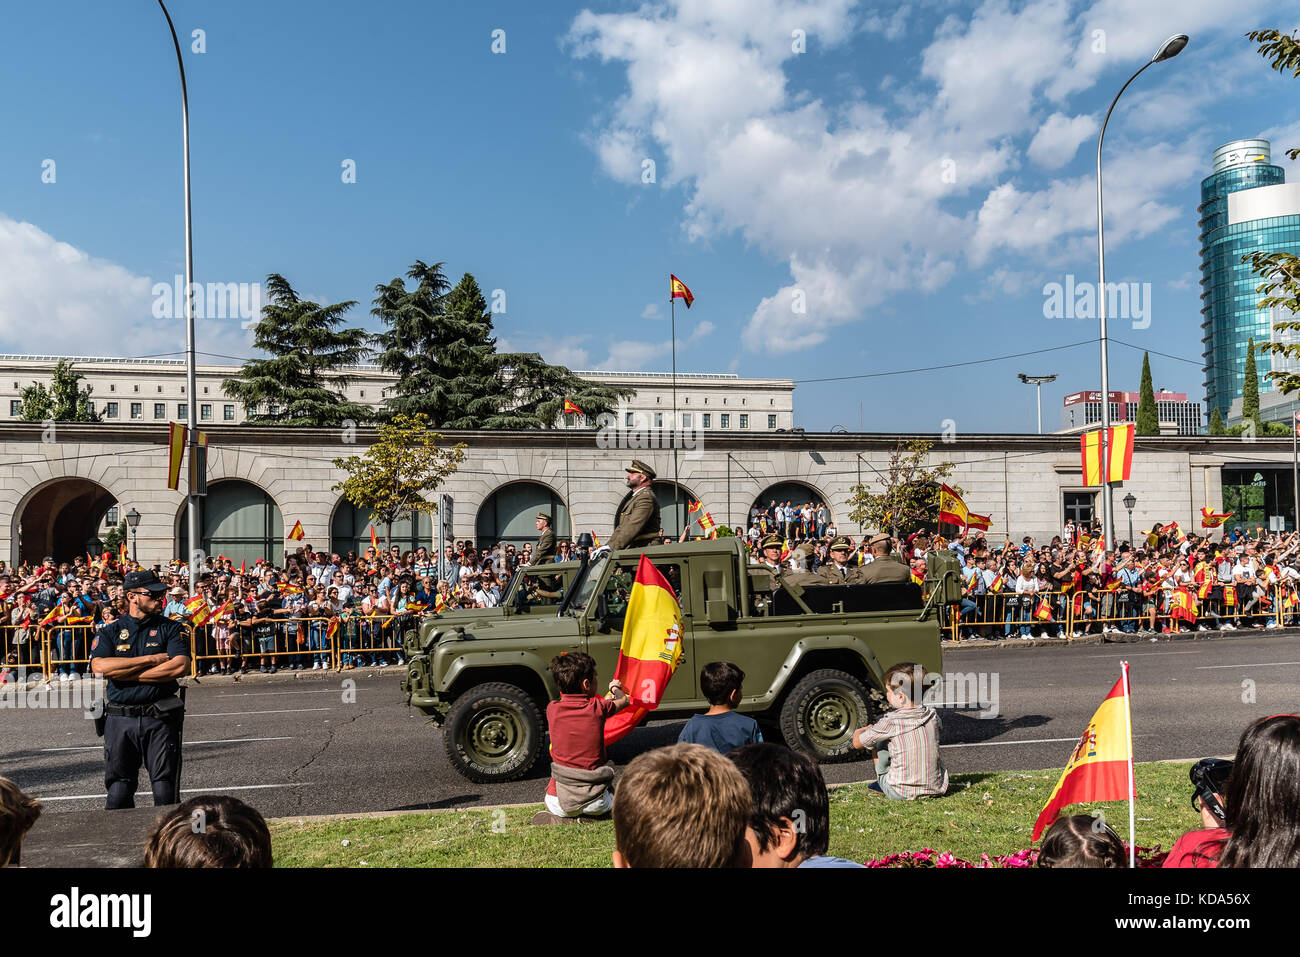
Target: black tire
821	712
494	733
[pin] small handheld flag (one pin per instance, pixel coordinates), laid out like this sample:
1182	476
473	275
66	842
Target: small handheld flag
374	540
296	533
678	290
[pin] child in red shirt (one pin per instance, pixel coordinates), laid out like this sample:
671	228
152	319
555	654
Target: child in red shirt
580	771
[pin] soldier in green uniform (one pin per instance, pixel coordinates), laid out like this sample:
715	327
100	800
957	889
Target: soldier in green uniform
544	550
838	571
637	523
884	567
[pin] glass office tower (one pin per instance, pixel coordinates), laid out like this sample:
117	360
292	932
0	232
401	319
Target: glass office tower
1246	206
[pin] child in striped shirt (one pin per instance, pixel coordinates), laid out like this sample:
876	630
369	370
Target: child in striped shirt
905	742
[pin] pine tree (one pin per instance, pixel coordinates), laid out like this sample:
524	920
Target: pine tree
533	391
1148	422
438	342
1216	423
1250	390
63	401
303	382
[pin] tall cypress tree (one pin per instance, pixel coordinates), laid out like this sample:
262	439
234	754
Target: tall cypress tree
1216	423
1148	422
1250	390
302	383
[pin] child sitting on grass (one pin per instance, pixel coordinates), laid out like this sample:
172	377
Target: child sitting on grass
721	728
906	740
580	769
681	806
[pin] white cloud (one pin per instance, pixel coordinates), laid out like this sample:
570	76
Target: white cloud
1058	139
651	311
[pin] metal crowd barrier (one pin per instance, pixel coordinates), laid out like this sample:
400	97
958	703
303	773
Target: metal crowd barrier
1143	611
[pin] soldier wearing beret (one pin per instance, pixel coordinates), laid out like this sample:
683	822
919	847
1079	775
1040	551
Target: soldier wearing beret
141	654
838	571
637	522
883	568
544	550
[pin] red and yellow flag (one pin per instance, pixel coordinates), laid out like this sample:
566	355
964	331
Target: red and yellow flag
175	452
296	534
951	507
651	651
571	407
707	525
979	523
374	539
1212	519
1121	454
197	609
1099	768
678	290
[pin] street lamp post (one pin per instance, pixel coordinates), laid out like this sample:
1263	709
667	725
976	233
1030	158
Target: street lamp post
192	500
1129	502
1170	48
133	520
1038	380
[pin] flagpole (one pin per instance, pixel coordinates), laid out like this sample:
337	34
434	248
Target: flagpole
567	497
677	485
1132	795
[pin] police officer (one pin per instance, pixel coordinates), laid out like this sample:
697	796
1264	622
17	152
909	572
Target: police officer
142	654
544	550
838	571
637	522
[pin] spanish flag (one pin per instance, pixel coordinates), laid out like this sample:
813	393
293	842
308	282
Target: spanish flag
1212	519
571	407
1101	766
980	523
121	551
677	290
296	533
951	508
1121	454
651	651
197	609
331	630
374	539
707	525
694	506
175	452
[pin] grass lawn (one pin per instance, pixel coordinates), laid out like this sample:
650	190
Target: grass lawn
990	813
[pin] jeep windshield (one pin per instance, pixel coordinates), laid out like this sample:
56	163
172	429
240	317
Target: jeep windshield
536	589
585	589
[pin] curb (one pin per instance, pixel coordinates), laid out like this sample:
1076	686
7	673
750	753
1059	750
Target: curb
1111	639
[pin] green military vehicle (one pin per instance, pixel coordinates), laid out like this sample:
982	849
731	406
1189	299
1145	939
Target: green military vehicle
534	590
814	655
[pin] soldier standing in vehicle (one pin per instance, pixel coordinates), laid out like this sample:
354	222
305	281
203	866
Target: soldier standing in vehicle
142	654
637	523
544	550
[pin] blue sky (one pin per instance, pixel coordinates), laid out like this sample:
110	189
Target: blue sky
893	195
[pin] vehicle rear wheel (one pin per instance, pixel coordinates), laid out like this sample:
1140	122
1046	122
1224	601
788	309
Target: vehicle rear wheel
493	733
821	712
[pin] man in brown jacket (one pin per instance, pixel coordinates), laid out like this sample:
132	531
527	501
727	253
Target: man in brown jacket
838	571
884	568
637	523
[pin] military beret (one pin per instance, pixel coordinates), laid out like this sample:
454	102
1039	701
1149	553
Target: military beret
772	541
842	542
639	466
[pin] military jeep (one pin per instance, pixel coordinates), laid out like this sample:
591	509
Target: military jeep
814	656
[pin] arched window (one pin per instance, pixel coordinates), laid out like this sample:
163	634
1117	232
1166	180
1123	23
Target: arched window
239	521
510	514
350	530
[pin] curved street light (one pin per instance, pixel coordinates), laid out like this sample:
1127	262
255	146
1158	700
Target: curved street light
1170	48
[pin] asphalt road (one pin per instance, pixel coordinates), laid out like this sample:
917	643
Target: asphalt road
319	746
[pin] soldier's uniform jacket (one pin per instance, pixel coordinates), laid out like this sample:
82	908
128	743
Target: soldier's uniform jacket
637	523
830	573
128	638
544	550
884	569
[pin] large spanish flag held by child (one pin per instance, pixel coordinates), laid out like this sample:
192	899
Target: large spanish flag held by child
1101	767
651	650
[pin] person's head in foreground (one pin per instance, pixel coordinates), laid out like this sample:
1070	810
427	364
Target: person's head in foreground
18	812
1082	841
1263	812
574	673
789	819
681	806
210	831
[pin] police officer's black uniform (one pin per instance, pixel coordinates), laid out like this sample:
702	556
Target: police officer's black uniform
142	720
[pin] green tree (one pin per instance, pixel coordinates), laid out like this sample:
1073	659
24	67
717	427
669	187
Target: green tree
303	381
115	537
1216	423
1148	422
909	491
532	394
1250	390
64	401
393	475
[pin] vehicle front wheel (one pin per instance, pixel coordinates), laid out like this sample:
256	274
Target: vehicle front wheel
494	733
821	712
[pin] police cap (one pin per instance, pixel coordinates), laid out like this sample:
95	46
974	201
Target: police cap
143	579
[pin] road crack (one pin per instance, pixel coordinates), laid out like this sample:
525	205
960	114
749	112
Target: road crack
329	739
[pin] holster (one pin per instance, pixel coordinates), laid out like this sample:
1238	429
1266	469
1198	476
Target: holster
100	719
169	709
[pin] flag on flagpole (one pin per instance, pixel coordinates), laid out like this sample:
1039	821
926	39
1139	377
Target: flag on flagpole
571	407
1121	454
374	539
1101	766
951	508
296	534
651	650
677	290
694	505
175	452
707	525
979	523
